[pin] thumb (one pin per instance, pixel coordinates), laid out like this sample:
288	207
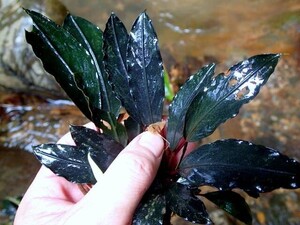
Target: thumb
114	198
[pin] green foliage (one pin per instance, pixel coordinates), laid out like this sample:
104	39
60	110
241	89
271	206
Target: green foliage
104	71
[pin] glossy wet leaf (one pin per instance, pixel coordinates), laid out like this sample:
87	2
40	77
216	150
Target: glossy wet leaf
91	38
133	128
67	161
226	94
115	48
151	210
184	203
66	59
232	203
178	108
229	164
145	69
103	149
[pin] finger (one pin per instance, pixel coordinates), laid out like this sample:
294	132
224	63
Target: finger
115	198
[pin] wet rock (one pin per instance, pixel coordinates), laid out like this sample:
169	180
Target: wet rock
31	120
20	70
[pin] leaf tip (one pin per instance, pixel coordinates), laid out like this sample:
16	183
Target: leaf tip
30	12
144	15
276	56
112	15
26	10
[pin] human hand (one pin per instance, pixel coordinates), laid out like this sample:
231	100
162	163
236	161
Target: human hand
53	200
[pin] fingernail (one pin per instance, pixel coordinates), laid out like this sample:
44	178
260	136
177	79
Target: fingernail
153	142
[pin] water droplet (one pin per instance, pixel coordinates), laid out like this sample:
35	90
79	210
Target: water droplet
245	70
293	185
258	188
274	154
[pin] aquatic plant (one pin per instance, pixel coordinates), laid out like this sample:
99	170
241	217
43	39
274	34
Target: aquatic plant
117	80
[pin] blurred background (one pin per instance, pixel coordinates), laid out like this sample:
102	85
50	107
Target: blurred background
192	33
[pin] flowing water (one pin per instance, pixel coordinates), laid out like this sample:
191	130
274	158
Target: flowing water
191	34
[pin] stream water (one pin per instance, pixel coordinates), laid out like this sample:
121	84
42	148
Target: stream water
191	34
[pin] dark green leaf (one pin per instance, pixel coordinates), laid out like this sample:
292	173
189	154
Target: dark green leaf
177	111
67	161
133	128
103	149
65	58
226	94
229	164
91	38
151	210
145	70
184	203
115	48
232	203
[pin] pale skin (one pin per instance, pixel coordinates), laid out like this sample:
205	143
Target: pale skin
112	200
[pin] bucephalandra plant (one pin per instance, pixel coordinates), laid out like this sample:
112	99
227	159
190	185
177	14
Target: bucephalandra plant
117	80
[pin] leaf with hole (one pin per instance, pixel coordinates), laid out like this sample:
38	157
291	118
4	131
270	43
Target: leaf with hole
110	126
226	94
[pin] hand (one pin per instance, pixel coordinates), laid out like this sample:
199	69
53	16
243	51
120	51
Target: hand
53	200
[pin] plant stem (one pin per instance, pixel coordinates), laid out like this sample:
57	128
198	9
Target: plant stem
182	155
